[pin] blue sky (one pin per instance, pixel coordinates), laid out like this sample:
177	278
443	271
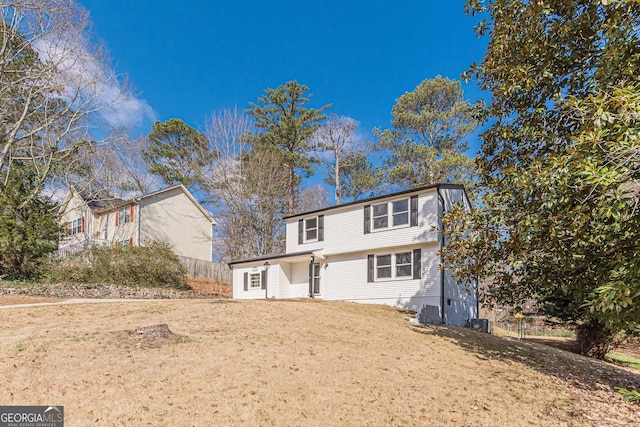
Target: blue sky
190	58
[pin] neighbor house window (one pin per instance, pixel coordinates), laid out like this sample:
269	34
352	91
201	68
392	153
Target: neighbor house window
124	215
254	280
399	265
74	227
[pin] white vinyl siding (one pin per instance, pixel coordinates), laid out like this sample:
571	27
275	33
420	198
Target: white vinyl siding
343	229
172	217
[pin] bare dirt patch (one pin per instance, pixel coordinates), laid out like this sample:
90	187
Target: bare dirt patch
210	287
293	363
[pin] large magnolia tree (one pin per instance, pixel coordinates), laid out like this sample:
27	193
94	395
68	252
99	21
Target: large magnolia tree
559	220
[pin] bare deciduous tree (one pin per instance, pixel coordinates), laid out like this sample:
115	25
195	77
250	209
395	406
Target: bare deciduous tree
247	188
55	86
334	142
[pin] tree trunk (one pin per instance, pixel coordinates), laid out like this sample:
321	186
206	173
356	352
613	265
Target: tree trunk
594	339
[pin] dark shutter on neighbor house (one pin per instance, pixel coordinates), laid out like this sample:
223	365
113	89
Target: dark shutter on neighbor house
370	268
300	231
320	228
417	263
246	281
414	211
263	279
367	219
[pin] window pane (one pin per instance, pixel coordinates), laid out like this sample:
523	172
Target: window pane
401	206
383	260
380	210
255	280
382	222
400	219
312	223
312	234
403	258
384	272
403	270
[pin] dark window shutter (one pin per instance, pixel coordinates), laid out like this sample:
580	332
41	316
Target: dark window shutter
367	219
320	228
370	268
414	211
263	279
417	263
246	281
300	231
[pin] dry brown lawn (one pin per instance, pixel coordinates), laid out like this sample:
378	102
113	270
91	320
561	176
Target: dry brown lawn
290	363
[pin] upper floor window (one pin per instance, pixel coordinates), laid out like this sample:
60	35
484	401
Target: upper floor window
124	215
74	227
395	213
380	216
399	214
311	229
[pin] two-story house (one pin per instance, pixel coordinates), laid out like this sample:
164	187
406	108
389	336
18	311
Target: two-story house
171	215
384	250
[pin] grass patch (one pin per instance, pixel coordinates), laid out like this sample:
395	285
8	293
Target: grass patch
623	359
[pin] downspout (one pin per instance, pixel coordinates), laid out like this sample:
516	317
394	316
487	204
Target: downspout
441	200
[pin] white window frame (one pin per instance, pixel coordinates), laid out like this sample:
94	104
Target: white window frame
74	227
257	284
124	215
307	229
397	214
393	266
391	215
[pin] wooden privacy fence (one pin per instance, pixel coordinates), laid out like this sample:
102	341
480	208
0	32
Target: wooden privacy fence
207	269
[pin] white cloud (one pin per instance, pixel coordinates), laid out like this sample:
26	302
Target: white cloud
85	79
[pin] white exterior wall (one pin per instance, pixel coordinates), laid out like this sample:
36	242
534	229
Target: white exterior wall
460	300
76	208
294	280
344	277
344	229
343	257
117	233
172	217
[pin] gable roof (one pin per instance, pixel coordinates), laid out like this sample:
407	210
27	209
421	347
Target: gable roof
100	202
374	199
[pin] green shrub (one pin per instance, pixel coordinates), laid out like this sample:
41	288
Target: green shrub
153	265
631	396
